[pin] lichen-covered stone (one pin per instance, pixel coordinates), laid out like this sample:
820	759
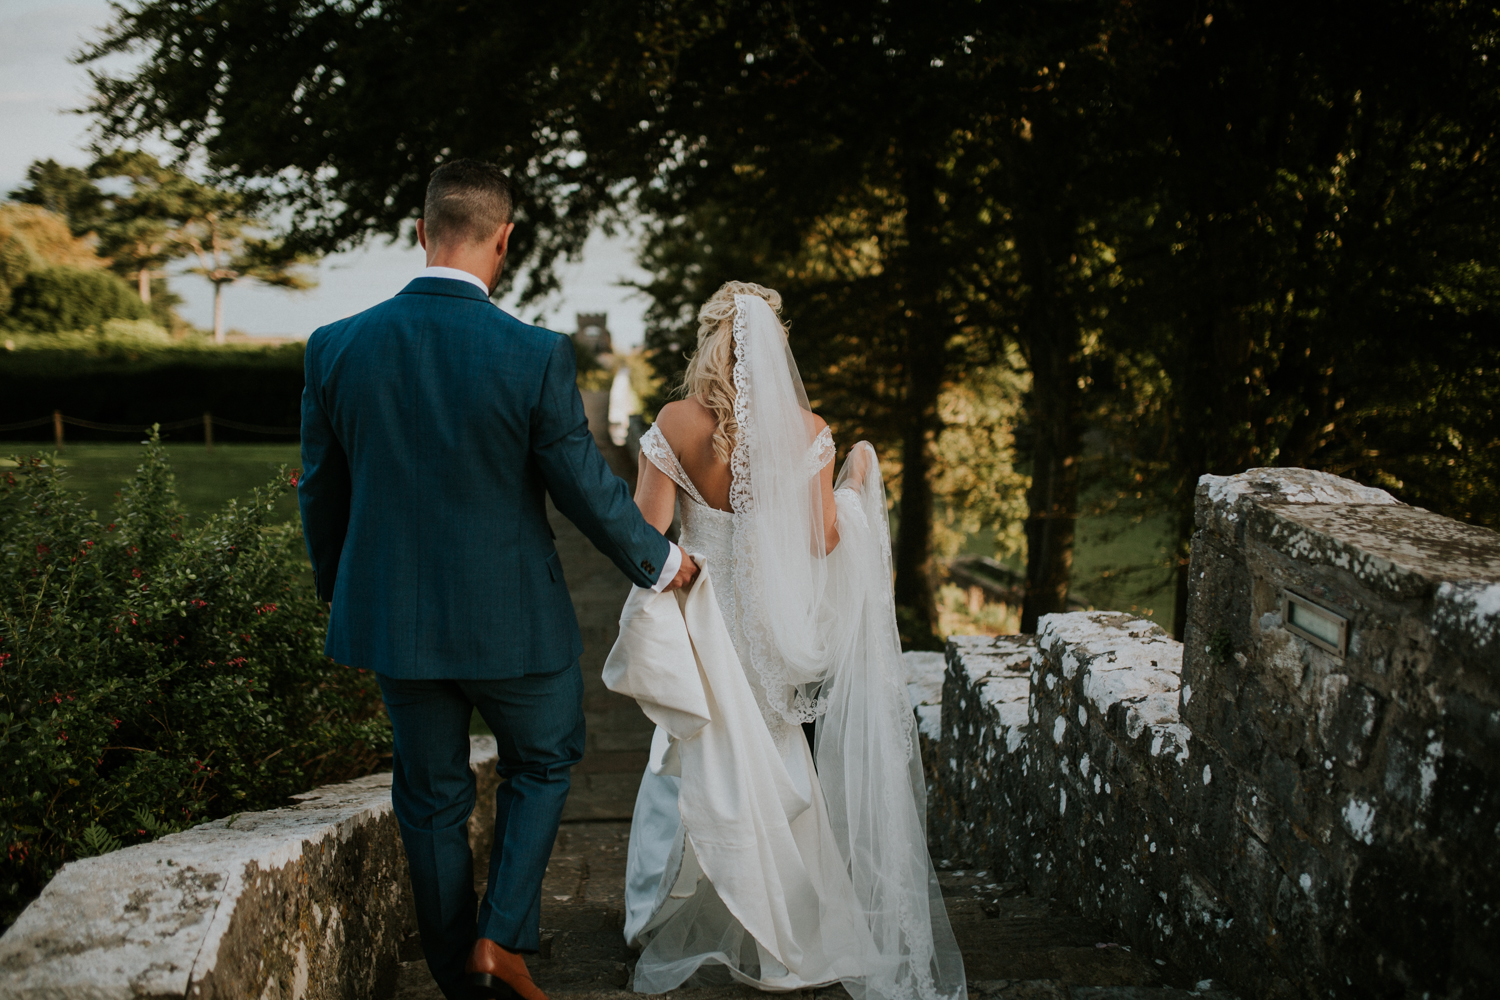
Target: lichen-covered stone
310	901
1365	783
977	804
924	686
1295	821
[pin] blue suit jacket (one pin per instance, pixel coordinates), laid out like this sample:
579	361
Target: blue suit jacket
433	426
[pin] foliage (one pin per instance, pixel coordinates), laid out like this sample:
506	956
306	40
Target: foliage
67	192
968	613
67	298
17	260
153	676
33	238
1305	234
47	238
1214	242
979	491
160	215
1431	434
112	334
591	375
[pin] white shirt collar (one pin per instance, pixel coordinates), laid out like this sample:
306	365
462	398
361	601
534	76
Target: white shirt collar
455	274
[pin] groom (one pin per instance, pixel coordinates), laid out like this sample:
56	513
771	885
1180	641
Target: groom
434	426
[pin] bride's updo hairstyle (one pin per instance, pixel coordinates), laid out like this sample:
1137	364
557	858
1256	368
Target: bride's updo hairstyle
710	371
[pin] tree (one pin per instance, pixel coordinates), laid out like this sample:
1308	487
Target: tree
1249	221
219	235
66	191
1313	243
823	156
927	183
161	216
863	125
141	229
336	114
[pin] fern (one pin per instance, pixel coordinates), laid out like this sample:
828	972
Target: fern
154	827
97	840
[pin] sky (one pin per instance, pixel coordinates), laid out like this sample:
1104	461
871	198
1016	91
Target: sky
38	84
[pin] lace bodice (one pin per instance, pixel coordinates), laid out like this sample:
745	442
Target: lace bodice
706	531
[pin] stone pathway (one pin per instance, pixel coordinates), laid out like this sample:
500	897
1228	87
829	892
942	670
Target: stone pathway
1014	947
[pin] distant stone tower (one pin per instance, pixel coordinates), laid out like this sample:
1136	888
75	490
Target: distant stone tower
593	331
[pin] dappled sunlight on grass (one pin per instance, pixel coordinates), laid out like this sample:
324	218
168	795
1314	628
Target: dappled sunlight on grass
965	612
205	480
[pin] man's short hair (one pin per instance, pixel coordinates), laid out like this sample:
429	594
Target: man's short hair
467	201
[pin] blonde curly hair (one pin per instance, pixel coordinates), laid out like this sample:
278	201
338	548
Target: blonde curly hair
710	371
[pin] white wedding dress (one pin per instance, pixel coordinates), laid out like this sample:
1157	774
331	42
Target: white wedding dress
748	859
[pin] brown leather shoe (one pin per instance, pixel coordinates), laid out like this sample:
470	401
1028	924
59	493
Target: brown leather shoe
499	973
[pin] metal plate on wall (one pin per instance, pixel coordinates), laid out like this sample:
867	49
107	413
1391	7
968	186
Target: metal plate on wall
1320	625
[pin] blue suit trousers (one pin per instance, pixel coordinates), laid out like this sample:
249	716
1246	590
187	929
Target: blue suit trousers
538	724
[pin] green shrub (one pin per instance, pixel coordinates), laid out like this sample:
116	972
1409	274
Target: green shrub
153	676
67	298
140	382
17	260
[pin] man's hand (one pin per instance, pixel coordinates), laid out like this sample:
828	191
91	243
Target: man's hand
686	574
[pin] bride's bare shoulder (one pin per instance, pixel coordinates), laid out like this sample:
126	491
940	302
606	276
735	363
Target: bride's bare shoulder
685	421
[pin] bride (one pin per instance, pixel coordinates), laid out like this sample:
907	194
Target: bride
752	855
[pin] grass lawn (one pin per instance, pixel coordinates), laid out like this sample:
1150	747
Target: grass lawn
1121	560
205	479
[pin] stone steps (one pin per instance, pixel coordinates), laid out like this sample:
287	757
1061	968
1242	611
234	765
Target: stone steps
1015	947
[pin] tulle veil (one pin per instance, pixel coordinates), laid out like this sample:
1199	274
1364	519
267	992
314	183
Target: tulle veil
821	631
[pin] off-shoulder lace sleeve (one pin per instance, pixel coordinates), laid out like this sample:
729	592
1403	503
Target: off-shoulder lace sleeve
820	452
656	449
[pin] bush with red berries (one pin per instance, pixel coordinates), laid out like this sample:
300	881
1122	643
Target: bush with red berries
156	674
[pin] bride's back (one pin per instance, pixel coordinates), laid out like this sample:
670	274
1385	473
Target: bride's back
689	428
702	430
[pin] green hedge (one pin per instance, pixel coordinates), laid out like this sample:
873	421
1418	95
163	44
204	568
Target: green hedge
67	298
153	676
141	385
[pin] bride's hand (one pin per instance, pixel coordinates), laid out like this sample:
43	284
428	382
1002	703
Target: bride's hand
857	466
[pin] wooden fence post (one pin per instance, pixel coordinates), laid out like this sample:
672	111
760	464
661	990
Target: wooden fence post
57	425
208	431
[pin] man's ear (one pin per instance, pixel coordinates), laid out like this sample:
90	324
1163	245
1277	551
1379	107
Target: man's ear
422	234
502	240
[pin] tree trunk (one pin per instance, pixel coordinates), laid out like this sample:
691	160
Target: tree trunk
1052	501
919	274
1184	550
1050	328
219	332
916	603
143	283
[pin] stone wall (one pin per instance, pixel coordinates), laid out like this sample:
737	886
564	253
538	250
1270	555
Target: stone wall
311	901
1293	815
